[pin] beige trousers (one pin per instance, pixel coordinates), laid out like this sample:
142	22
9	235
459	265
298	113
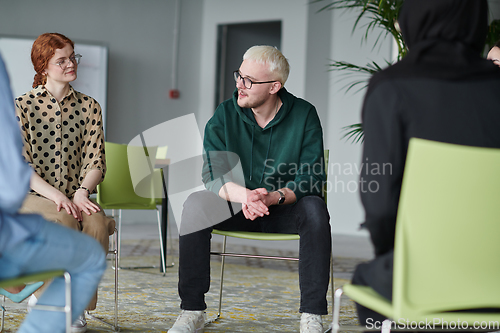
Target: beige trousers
97	225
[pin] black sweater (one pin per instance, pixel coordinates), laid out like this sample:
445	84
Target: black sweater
464	112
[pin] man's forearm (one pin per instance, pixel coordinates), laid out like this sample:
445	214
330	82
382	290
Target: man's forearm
233	192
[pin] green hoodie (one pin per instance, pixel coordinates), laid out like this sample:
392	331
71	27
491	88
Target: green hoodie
287	152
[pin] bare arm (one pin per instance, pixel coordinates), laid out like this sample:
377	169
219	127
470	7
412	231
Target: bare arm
81	197
39	185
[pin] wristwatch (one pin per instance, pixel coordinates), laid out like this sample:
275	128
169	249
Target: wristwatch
281	200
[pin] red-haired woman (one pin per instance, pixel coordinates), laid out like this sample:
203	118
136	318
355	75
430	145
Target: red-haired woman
64	143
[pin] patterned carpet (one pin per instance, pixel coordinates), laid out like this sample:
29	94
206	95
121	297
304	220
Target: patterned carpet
259	295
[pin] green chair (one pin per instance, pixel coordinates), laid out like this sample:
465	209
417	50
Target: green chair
42	276
446	254
261	236
117	191
34	284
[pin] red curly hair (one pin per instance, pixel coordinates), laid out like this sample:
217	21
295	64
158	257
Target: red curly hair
43	49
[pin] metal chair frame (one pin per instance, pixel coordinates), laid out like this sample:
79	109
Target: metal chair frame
271	237
37	277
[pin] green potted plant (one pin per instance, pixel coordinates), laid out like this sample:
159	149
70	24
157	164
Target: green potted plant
379	14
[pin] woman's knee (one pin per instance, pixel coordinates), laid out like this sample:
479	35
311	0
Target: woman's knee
98	224
66	220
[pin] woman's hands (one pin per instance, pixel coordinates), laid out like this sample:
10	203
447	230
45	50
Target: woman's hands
84	204
81	203
63	202
81	196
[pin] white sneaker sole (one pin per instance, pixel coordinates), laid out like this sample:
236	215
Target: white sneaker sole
79	329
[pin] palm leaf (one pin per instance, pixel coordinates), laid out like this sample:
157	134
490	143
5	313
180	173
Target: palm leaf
381	14
354	133
348	69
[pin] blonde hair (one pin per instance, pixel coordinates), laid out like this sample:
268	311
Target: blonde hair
270	55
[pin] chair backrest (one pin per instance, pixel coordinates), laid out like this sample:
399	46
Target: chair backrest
161	152
118	190
447	250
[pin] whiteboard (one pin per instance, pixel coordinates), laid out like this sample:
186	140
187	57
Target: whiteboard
92	70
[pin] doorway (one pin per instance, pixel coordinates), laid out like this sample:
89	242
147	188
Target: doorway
232	42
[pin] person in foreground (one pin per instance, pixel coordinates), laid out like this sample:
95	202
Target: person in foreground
494	54
278	140
443	90
64	143
30	244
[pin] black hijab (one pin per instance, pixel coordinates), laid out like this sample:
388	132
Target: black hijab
456	22
445	39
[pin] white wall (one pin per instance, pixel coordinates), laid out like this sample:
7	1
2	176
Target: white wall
292	13
139	37
344	204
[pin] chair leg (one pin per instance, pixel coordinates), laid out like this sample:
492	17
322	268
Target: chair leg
115	252
336	310
67	308
332	287
119	236
3	314
162	253
222	276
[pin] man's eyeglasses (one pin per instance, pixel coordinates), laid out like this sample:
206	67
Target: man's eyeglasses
246	81
63	63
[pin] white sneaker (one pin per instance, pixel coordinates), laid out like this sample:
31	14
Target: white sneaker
189	322
311	323
31	302
79	325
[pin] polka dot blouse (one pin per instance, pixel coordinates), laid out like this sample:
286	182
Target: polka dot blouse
64	140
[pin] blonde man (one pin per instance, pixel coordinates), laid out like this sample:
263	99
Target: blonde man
278	140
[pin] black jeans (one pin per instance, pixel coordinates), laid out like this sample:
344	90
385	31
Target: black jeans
378	275
308	217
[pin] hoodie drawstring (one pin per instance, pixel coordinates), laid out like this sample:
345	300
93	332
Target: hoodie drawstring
251	154
267	156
